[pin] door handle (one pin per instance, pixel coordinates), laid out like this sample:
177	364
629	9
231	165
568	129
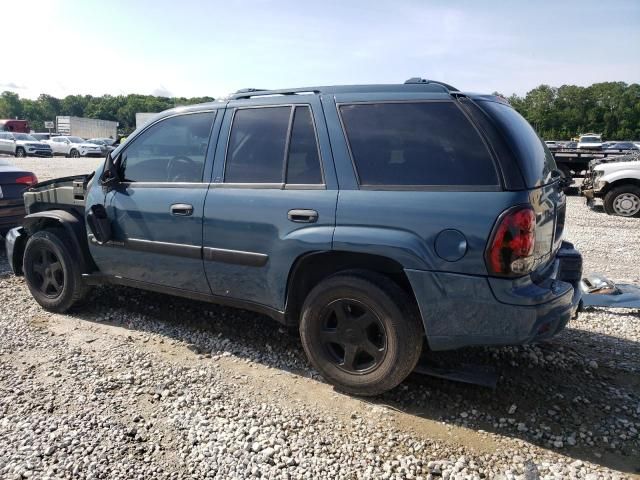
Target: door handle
181	209
303	216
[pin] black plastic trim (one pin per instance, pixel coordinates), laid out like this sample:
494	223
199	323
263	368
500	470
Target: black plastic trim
237	257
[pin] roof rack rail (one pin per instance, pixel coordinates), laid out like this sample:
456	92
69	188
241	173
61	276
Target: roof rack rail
424	80
258	92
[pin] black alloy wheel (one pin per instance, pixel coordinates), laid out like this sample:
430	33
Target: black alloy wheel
353	336
47	272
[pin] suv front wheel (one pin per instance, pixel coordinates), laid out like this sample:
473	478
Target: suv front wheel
53	275
361	332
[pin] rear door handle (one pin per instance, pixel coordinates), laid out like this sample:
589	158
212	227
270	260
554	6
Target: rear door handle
303	216
181	209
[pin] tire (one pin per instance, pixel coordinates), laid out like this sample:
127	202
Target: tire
20	152
52	273
349	315
623	201
74	153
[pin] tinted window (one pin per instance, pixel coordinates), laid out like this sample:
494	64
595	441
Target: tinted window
256	147
427	143
172	150
536	161
303	165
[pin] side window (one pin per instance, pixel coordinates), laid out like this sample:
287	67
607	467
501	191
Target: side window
256	150
303	164
417	144
172	150
255	153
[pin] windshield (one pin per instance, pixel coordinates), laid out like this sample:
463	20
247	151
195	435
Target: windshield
591	139
24	136
96	142
76	140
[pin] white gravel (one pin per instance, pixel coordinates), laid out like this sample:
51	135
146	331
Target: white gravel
138	385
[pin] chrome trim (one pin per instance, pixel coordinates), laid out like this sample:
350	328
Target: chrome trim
237	257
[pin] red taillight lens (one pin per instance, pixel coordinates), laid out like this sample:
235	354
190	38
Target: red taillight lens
27	180
510	251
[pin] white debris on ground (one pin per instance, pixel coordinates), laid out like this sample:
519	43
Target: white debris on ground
139	385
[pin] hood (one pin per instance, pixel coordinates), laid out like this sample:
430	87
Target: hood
33	142
630	157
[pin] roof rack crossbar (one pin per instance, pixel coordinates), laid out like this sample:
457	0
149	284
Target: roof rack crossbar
424	80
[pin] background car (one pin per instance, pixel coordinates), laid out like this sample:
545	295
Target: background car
552	145
622	146
70	146
105	143
23	145
13	181
591	141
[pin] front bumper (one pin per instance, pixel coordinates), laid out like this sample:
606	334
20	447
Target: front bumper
35	152
91	153
14	243
462	310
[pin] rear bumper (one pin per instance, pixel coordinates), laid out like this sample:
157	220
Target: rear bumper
11	216
462	310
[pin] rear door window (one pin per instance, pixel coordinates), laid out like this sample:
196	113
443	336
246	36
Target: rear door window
416	144
256	146
303	164
263	139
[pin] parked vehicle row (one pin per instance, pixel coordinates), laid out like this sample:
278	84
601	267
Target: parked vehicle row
374	218
46	145
22	145
70	146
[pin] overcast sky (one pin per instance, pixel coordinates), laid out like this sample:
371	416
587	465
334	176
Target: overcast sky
195	48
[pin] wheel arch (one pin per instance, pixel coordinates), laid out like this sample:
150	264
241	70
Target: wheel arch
619	183
72	224
311	268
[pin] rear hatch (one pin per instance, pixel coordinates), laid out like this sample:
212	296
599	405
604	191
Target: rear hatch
540	176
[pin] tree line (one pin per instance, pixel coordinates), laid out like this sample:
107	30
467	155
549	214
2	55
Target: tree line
609	108
557	113
119	108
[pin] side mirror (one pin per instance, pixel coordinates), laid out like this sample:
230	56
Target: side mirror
110	176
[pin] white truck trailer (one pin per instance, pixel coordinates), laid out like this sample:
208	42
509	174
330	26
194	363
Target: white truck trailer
86	127
143	117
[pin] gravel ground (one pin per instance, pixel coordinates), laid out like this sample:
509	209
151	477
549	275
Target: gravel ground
138	385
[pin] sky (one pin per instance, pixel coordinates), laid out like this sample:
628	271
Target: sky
196	48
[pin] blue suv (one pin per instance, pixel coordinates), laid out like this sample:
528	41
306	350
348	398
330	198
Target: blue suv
377	219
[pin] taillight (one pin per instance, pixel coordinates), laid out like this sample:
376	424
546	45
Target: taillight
510	251
27	180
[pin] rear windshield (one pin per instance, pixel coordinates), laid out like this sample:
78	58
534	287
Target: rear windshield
416	144
536	161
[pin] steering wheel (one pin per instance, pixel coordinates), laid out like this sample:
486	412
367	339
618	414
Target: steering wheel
189	164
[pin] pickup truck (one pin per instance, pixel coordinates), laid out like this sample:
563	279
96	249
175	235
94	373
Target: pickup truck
616	181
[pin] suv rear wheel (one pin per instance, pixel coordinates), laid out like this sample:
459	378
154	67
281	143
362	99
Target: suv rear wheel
361	332
623	200
52	273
